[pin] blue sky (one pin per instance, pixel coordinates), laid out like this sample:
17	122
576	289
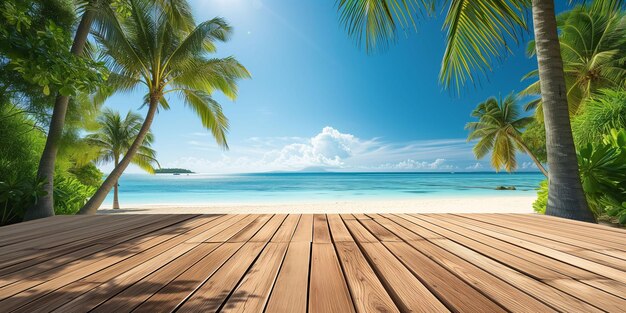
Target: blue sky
316	100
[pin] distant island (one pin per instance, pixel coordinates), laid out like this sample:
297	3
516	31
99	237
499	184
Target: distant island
172	171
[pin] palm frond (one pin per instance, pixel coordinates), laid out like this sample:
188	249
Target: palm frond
209	112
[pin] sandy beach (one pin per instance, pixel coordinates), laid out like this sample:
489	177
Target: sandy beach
473	204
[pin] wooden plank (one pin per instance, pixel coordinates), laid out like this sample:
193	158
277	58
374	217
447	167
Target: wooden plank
528	262
321	233
347	217
568	228
47	262
212	294
252	293
89	298
251	229
551	296
564	283
143	289
374	216
575	223
338	230
422	233
16	253
507	295
381	233
266	233
73	272
25	231
407	291
286	230
360	233
115	278
180	288
231	231
586	241
304	230
608	285
601	258
589	294
360	216
229	222
328	291
367	291
290	291
455	292
594	267
398	230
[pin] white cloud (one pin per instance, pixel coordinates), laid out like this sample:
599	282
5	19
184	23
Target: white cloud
476	166
330	149
410	164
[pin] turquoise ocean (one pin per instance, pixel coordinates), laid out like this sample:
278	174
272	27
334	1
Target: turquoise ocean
304	187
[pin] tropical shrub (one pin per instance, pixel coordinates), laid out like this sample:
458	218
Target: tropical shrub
21	143
600	114
603	175
70	194
542	198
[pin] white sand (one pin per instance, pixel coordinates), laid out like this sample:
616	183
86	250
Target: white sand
474	204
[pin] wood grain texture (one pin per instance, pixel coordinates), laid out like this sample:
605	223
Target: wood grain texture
328	291
312	263
290	291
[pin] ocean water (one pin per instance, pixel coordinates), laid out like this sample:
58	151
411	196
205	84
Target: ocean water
297	187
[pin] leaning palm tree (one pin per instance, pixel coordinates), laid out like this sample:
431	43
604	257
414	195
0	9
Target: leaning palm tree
90	11
593	48
148	50
477	31
498	129
114	137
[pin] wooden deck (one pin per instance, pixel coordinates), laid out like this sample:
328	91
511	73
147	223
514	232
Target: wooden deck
312	263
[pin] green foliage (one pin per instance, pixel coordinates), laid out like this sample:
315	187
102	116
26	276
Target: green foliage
16	194
600	114
70	194
37	47
593	49
150	49
21	143
498	131
603	174
618	212
88	175
534	136
477	31
115	136
542	198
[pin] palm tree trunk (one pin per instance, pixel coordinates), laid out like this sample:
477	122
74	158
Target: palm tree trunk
533	157
565	193
45	204
94	203
116	202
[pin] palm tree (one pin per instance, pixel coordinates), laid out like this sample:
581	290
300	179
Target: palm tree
146	49
499	132
114	138
179	13
593	48
477	31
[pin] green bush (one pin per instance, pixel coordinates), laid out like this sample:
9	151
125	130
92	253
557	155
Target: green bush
21	143
603	174
70	195
542	198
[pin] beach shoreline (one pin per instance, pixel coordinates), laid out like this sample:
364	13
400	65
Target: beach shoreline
457	204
